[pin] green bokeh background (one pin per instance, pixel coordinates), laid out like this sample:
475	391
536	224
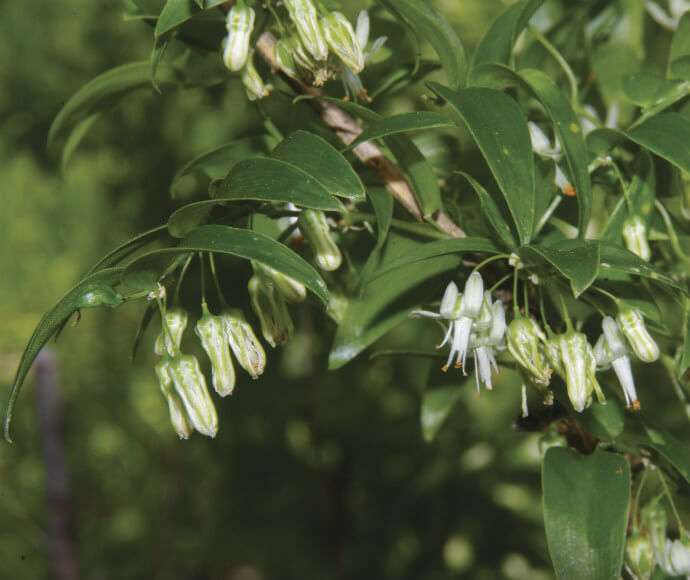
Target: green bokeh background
313	474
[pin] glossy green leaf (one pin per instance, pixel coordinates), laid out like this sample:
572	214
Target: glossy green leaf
174	14
318	158
189	217
667	135
675	452
386	301
497	43
680	46
605	422
618	260
429	24
128	248
436	406
273	180
576	260
382	203
680	68
440	248
144	272
491	211
500	130
646	90
49	324
586	501
76	136
106	90
402	123
216	163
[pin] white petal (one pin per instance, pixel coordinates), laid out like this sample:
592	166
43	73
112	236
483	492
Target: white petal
362	29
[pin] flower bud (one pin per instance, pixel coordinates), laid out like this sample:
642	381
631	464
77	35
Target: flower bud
576	363
303	14
99	295
523	336
245	346
342	39
270	307
639	557
677	556
315	228
240	23
190	385
632	325
473	297
178	416
283	52
176	322
292	290
448	301
655	521
635	236
256	89
211	331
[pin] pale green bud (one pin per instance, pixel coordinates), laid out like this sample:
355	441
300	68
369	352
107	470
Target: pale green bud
245	346
283	52
300	55
211	331
99	295
270	307
631	323
314	226
176	321
256	89
178	415
291	289
473	297
240	23
523	337
342	39
448	301
639	557
303	14
635	236
576	364
190	385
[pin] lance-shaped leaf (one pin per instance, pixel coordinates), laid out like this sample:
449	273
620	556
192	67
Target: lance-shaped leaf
586	501
54	319
646	90
402	123
321	160
667	135
128	248
617	260
430	25
146	271
176	12
500	130
273	180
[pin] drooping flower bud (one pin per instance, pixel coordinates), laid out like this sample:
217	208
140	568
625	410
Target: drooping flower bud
291	289
639	557
342	39
315	228
240	23
190	385
448	301
169	341
303	14
270	307
211	331
245	346
256	89
523	338
284	57
576	363
635	236
676	560
178	415
631	323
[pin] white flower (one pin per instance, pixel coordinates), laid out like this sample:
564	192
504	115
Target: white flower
670	21
240	23
611	348
354	88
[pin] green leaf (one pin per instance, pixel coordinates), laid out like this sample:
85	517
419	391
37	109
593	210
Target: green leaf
429	24
382	203
618	260
497	43
385	302
436	406
216	163
128	248
189	217
491	211
565	121
144	272
680	48
680	68
576	260
605	422
402	123
646	90
685	360
106	90
49	324
676	453
273	180
435	249
500	130
174	14
666	135
319	159
586	501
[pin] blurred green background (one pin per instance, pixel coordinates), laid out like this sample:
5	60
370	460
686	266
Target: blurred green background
313	474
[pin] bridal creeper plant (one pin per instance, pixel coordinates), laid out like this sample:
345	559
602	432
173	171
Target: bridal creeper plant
560	255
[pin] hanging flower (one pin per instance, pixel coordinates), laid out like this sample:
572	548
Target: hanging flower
354	88
314	226
256	89
635	236
244	344
631	324
291	289
211	331
579	365
190	385
270	307
611	349
239	23
303	14
639	557
342	39
524	337
178	415
168	341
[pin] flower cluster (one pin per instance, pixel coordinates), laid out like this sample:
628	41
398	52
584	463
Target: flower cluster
314	46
